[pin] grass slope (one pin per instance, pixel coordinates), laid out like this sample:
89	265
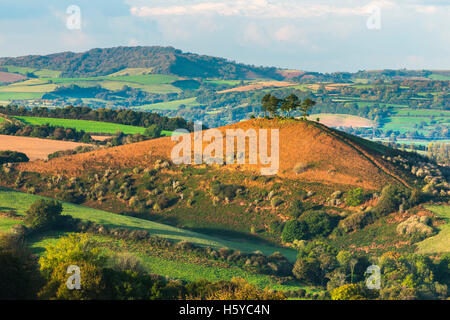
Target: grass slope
22	201
171	105
439	243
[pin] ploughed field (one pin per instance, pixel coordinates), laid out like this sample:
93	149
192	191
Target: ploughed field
36	148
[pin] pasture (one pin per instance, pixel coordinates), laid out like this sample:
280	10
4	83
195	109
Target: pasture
86	125
21	202
20	95
439	243
171	105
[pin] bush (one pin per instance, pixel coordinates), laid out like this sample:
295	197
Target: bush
223	190
275	202
355	221
153	131
19	275
294	230
93	283
390	200
296	209
318	223
43	214
308	270
347	292
355	197
12	156
71	196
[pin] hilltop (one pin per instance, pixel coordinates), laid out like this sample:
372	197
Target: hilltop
158	60
308	151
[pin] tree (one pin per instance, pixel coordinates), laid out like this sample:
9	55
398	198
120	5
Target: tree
274	105
347	292
294	230
355	197
318	223
290	103
266	103
153	131
270	104
43	214
306	106
296	209
71	249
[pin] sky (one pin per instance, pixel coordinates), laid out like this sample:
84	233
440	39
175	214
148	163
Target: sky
312	35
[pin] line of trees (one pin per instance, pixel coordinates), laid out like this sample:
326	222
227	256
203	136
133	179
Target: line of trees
271	104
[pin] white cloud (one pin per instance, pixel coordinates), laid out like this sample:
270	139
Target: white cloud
255	9
425	9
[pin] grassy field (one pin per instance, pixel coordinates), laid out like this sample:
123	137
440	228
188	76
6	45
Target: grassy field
20	95
440	77
131	72
86	125
172	105
439	243
145	79
184	266
22	201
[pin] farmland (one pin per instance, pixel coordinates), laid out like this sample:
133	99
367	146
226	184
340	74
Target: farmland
35	148
342	120
439	243
85	125
21	202
171	105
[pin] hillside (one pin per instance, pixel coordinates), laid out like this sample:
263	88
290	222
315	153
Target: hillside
162	60
308	151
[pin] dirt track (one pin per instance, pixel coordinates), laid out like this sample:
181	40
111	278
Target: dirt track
35	148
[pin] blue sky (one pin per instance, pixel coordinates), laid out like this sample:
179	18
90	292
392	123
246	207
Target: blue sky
315	35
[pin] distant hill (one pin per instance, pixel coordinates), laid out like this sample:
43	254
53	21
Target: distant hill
163	60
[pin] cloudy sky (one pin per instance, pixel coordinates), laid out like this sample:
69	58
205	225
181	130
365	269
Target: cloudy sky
313	35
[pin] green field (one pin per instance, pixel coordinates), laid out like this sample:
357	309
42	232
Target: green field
86	125
439	243
145	79
171	105
20	95
440	77
22	201
20	70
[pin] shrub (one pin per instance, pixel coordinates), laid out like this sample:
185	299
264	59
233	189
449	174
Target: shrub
318	223
275	202
12	156
153	131
355	221
390	199
128	262
240	289
347	292
162	202
355	197
294	230
223	190
19	275
71	196
308	270
296	209
73	248
43	214
93	283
